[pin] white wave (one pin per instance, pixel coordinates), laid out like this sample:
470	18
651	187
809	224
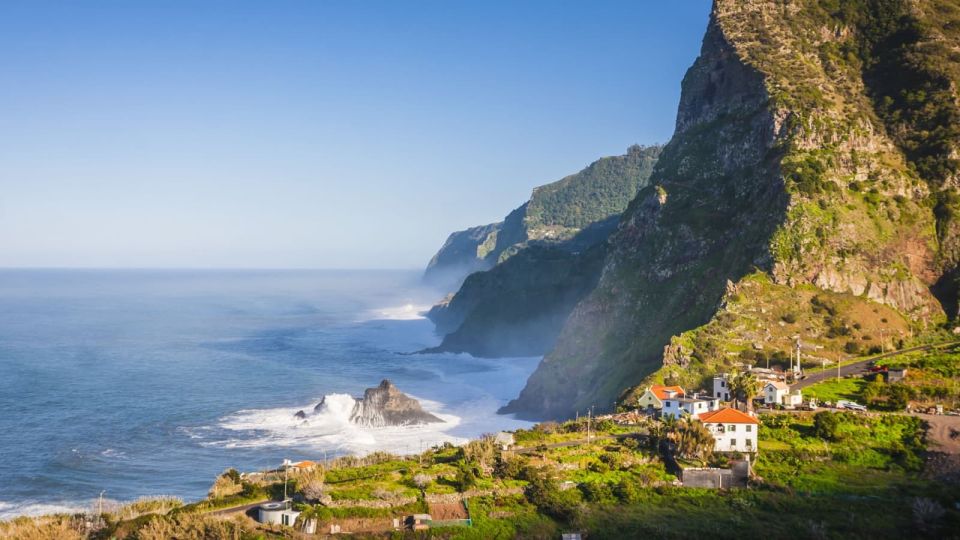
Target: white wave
330	429
406	312
10	510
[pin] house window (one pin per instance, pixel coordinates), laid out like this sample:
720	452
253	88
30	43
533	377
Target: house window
723	383
733	443
750	443
749	428
666	403
733	427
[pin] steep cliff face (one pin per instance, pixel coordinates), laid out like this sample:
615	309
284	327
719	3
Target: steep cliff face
549	254
518	307
463	253
781	179
555	214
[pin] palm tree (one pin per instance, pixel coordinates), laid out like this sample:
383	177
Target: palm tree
692	439
745	386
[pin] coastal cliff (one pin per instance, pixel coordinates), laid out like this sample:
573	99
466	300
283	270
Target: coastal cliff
547	256
792	188
555	214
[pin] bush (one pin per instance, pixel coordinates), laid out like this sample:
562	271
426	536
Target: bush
826	425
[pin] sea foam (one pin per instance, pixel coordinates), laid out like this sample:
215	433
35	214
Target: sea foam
330	429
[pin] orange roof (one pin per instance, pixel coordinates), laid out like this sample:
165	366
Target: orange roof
728	416
304	464
660	390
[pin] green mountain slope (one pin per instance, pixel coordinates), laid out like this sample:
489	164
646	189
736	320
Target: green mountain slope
791	171
555	213
549	254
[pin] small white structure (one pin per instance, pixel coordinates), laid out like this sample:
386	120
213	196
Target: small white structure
774	391
733	431
721	387
278	513
694	406
778	393
654	396
504	440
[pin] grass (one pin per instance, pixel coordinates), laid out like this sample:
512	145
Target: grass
833	390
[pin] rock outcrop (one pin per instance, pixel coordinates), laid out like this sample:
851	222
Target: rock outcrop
385	405
381	406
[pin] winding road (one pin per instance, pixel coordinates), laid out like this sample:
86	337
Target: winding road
862	366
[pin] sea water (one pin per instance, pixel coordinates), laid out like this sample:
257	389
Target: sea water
138	382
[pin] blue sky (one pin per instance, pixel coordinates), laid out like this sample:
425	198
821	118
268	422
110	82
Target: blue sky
318	134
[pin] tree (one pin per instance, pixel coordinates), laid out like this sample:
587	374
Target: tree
314	489
422	481
744	386
693	440
826	425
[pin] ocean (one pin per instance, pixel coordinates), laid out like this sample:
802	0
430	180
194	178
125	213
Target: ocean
152	382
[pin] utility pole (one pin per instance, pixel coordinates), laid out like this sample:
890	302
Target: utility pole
100	509
589	415
285	469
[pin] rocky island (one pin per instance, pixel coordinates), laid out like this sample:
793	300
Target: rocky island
381	406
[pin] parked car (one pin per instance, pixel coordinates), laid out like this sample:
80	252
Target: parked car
853	406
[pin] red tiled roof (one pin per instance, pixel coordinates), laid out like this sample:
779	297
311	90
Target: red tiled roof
727	416
660	390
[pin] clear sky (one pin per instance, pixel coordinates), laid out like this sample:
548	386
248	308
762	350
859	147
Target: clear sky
320	134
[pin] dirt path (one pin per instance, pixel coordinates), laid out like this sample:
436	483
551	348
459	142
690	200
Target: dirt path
943	434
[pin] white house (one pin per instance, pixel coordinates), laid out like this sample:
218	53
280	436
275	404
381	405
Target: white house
654	396
504	440
778	393
721	387
733	431
695	405
774	391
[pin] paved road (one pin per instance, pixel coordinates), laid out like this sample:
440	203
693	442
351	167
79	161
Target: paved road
236	509
860	367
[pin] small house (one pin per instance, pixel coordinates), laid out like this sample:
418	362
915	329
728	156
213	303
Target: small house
418	522
653	397
694	405
721	387
896	374
733	430
774	391
504	440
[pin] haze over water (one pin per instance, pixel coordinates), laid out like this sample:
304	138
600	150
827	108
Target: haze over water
145	382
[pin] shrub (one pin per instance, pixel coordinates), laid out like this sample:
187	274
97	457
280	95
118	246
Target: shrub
826	425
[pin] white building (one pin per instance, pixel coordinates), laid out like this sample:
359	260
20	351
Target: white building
277	513
695	405
504	440
778	393
654	396
721	387
733	431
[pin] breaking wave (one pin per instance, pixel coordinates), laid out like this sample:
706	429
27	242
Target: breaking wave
406	312
328	428
10	510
